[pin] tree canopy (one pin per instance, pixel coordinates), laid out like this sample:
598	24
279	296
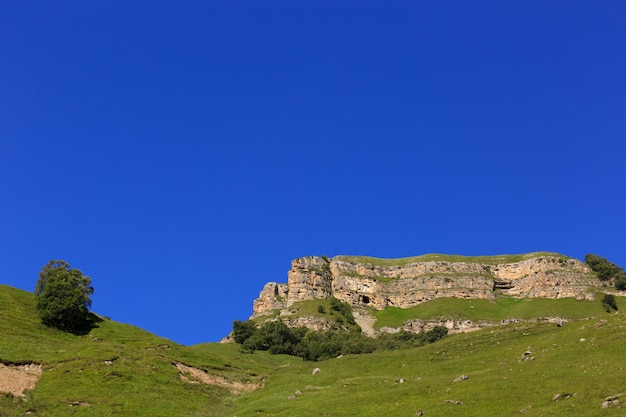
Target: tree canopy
63	296
607	271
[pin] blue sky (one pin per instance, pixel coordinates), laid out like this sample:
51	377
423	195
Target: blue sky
181	154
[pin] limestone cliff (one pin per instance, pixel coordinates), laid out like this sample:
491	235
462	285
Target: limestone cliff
406	282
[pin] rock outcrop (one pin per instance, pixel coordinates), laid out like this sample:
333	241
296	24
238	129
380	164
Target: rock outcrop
406	282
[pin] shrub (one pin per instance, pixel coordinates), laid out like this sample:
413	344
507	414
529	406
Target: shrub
63	296
243	330
277	337
606	270
437	333
319	346
274	336
251	344
356	343
608	302
343	309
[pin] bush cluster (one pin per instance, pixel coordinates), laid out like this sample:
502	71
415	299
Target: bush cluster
607	271
342	311
608	302
274	336
277	337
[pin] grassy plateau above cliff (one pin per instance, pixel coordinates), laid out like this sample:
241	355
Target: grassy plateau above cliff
436	257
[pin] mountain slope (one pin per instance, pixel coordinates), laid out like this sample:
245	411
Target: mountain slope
114	369
525	369
530	369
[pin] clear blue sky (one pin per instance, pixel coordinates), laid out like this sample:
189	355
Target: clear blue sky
182	153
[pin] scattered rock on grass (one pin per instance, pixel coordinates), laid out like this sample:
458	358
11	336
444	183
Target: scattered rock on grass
612	401
559	396
79	404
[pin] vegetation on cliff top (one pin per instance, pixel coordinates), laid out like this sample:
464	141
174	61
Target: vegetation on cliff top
607	271
488	260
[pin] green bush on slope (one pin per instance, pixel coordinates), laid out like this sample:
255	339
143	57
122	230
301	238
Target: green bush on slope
608	302
63	296
277	337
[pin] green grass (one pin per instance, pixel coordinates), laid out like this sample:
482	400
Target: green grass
496	309
499	383
309	307
488	260
142	381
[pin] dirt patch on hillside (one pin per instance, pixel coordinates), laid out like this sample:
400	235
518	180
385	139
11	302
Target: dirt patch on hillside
366	321
15	379
193	375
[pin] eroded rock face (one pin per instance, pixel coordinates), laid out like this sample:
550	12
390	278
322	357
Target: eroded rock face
407	292
272	297
309	278
317	324
453	326
368	285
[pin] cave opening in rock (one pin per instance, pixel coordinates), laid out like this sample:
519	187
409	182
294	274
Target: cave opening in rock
365	299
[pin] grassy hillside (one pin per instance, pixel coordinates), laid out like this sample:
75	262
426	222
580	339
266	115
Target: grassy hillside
118	369
581	363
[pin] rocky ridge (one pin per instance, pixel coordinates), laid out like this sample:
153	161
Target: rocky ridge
406	282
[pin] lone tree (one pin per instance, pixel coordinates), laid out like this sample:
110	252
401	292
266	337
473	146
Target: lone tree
63	296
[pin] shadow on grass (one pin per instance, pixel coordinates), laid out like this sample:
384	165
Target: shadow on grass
90	323
82	327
